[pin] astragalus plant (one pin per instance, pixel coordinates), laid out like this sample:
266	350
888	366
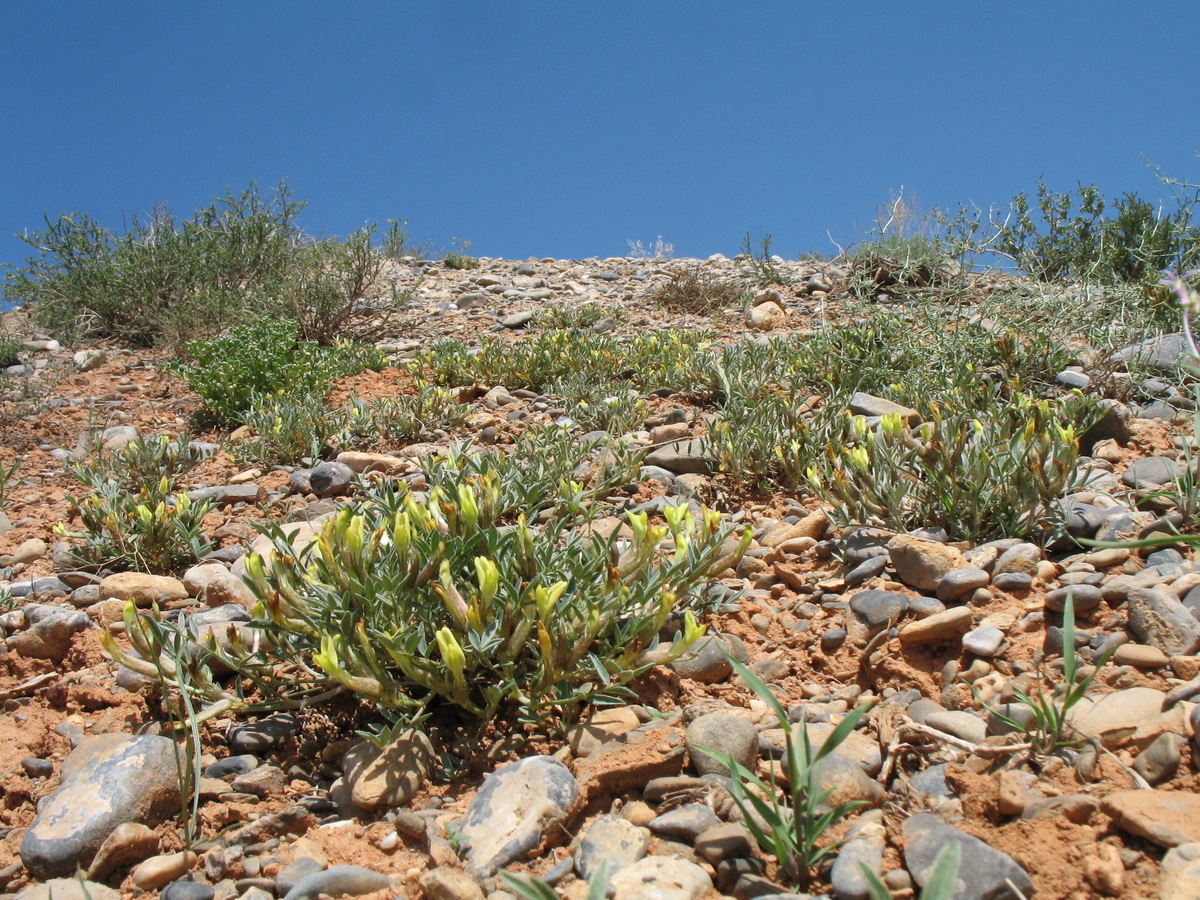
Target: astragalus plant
404	600
984	468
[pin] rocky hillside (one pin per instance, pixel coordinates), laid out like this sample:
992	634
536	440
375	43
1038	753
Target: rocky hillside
875	490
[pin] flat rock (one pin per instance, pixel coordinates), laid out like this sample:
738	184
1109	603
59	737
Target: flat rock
1158	618
215	585
984	872
1180	873
1133	716
141	588
339	880
681	457
359	462
1167	818
48	632
863	404
940	627
69	889
514	806
107	780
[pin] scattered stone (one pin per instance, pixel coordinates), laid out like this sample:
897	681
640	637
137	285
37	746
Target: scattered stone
339	881
707	661
729	840
920	563
48	632
215	585
939	627
1166	818
686	823
331	479
160	870
512	809
69	889
142	589
1150	472
862	404
984	873
107	780
660	878
766	316
388	777
1158	618
984	641
129	843
603	726
726	734
1160	761
681	457
1180	873
611	838
448	883
958	583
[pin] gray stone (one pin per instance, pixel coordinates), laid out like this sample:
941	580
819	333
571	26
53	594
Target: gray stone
610	838
452	883
1160	761
1084	598
862	404
69	889
48	632
1166	818
956	584
960	723
290	875
729	840
724	733
983	641
518	320
231	766
1023	557
707	662
512	808
931	782
339	880
983	874
1180	873
1158	618
1150	472
846	879
108	780
187	890
867	570
686	823
1164	353
922	563
330	479
877	610
682	458
257	736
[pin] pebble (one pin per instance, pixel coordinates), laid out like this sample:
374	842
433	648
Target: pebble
69	889
724	841
939	627
921	563
330	479
142	589
157	871
447	883
1158	618
1180	873
130	842
1160	761
660	878
1084	598
686	823
1166	818
391	776
48	632
984	641
958	583
187	890
707	662
726	734
611	838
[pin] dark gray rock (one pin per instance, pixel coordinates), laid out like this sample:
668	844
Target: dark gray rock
255	737
984	873
846	879
512	809
681	457
1164	353
956	584
1084	598
1113	425
48	632
1160	761
866	570
187	890
877	610
108	780
330	479
292	874
610	838
706	662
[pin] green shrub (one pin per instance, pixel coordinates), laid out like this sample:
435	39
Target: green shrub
258	362
458	259
403	419
760	267
287	429
164	281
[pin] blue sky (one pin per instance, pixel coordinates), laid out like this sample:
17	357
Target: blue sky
567	129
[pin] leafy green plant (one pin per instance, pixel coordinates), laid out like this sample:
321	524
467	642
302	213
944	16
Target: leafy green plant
251	363
142	461
403	418
1052	708
596	406
789	823
568	316
759	266
150	529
